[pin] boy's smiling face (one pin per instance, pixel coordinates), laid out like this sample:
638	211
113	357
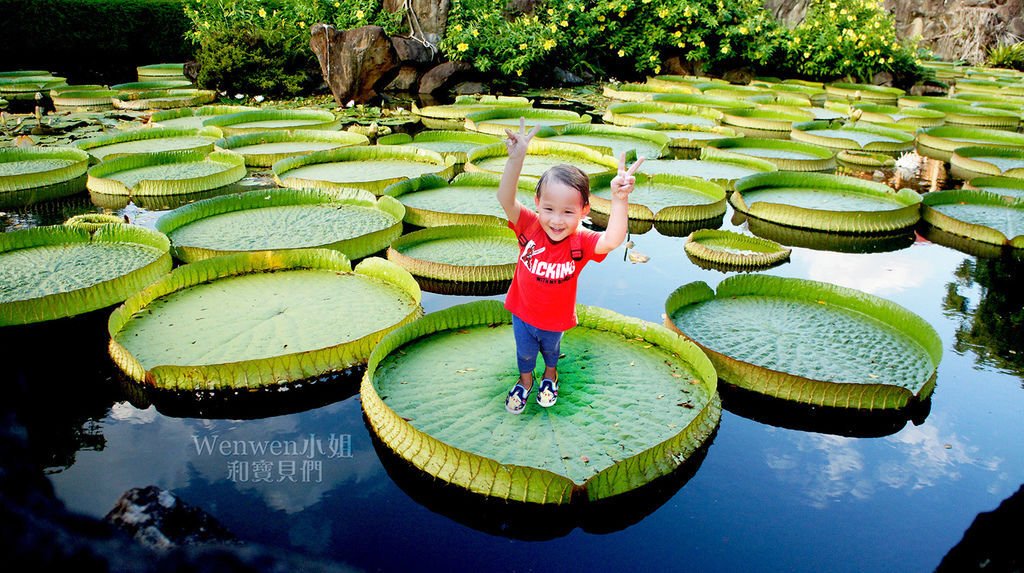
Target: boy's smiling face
560	209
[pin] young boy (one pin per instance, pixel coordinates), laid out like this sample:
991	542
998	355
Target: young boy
553	249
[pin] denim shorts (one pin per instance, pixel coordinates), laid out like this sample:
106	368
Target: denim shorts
530	340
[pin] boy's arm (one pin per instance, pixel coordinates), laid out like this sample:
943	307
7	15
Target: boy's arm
517	144
618	220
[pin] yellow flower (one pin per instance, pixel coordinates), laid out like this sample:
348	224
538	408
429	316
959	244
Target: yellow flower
686	12
570	6
653	58
601	27
701	44
553	28
564	23
522	46
796	41
807	55
881	60
623	7
600	18
621	53
476	33
551	11
462	47
360	14
549	43
680	44
663	12
622	14
851	18
871	53
725	49
657	69
455	28
743	30
677	33
337	4
519	72
302	24
262	13
843	11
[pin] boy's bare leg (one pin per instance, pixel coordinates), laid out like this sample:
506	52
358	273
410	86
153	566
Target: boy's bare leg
526	380
550	372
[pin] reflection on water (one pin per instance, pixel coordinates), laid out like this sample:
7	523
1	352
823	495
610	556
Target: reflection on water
535	521
992	542
991	323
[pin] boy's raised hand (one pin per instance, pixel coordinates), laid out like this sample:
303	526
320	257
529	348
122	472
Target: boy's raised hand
622	184
518	142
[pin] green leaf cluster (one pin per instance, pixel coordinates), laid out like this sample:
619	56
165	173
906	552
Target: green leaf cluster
1007	56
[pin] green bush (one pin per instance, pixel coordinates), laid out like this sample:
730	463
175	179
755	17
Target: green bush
261	47
1009	56
92	41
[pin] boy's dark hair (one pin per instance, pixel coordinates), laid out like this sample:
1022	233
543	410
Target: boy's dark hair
569	175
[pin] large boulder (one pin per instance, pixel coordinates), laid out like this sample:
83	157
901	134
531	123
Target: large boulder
355	63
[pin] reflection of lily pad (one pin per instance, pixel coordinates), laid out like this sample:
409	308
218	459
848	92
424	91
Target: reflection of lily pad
826	202
541	156
577	452
809	342
978	161
265	148
978	215
496	121
55	272
352	222
370	168
464	253
454	144
30	175
149	141
269	119
726	250
166	173
260	319
469	199
663	198
826	241
787	155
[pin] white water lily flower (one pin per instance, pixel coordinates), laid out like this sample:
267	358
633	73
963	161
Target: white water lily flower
350	103
258	99
239	96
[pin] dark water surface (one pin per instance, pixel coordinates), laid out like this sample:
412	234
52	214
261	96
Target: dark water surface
778	489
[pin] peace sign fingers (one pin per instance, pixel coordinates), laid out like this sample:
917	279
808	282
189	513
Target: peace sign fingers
636	165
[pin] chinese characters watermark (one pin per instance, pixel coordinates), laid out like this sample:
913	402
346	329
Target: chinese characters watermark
296	461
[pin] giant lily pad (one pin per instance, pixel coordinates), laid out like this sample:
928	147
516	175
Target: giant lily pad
540	156
610	140
978	215
905	117
166	173
370	168
30	175
940	142
632	113
977	161
26	86
149	141
725	250
269	119
690	138
454	144
265	148
55	272
83	100
645	92
663	198
160	71
463	253
970	116
162	99
453	116
713	165
772	124
351	221
193	117
254	320
657	396
152	85
496	121
853	137
470	199
863	92
703	100
1012	187
787	155
824	202
809	342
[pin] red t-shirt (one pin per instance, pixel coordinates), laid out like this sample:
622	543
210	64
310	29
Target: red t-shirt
543	291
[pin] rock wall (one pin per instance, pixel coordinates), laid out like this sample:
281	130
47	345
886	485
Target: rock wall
953	29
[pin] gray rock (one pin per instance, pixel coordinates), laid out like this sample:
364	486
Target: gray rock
467	88
406	79
159	520
441	75
355	63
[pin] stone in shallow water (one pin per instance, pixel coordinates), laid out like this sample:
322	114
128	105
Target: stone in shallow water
159	520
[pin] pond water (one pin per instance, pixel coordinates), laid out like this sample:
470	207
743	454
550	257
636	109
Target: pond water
779	488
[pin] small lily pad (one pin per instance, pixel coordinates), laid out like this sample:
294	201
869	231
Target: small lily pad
726	250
